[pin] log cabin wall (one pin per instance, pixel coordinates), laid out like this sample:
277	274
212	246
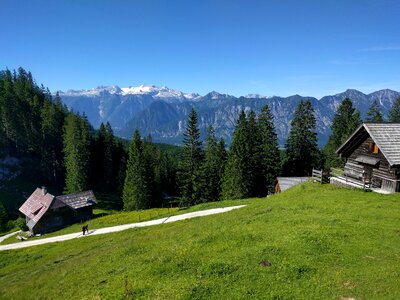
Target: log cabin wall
382	176
364	149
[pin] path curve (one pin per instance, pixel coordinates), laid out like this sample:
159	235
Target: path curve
105	230
4	237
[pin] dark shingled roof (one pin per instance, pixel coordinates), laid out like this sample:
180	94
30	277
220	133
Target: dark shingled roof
78	200
385	135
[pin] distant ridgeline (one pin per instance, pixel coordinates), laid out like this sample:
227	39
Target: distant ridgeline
163	113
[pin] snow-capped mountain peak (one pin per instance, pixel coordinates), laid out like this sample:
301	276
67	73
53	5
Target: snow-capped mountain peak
152	90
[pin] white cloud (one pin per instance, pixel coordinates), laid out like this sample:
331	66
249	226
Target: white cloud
381	48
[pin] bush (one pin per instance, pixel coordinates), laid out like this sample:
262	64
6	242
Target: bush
21	224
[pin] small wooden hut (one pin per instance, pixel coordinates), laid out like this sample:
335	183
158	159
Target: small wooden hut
45	212
372	155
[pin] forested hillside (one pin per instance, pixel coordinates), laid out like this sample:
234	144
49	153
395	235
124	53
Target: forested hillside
42	142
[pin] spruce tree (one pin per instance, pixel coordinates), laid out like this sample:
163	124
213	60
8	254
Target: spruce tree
103	174
301	147
190	175
139	179
52	119
270	154
77	153
256	179
3	218
213	166
374	114
394	113
345	121
236	183
109	148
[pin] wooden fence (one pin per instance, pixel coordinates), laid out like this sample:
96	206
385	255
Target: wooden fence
320	176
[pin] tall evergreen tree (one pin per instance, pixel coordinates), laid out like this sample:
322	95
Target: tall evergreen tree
394	113
374	113
301	147
236	184
346	120
270	154
76	149
213	166
256	178
190	179
103	174
3	218
139	180
52	120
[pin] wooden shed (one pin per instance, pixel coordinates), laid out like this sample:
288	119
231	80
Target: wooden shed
372	155
45	212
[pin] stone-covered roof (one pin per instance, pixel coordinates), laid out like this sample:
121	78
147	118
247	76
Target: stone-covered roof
385	135
78	200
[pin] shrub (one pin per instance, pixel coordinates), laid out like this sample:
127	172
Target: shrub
21	224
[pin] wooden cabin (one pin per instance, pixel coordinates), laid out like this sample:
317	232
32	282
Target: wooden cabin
372	155
45	212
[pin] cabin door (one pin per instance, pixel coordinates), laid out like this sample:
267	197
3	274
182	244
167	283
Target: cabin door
367	173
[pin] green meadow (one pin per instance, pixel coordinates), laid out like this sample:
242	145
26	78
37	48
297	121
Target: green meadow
310	242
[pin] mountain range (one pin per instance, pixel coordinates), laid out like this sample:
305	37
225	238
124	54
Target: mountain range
163	112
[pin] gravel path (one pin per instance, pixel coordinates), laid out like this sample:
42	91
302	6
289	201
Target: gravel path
105	230
4	237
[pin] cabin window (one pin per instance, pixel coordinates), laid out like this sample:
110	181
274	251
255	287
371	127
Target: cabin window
376	149
373	148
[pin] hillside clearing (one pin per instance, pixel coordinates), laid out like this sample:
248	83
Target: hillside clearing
105	230
310	242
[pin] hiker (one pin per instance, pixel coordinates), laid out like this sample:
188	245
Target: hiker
83	230
87	229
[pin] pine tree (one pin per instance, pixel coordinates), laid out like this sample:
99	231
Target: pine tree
3	218
52	120
394	113
213	166
76	149
345	121
301	147
9	115
190	179
270	154
139	179
103	174
256	179
236	183
109	148
374	114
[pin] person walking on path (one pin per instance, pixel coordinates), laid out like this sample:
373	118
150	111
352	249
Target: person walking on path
83	230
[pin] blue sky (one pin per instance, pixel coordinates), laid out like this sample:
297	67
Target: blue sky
311	48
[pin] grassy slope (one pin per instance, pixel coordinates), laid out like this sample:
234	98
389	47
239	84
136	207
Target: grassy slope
106	218
322	242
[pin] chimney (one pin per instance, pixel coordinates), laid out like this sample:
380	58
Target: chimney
44	190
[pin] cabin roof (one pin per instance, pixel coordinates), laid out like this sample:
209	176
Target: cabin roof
37	204
40	201
385	135
288	182
78	200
